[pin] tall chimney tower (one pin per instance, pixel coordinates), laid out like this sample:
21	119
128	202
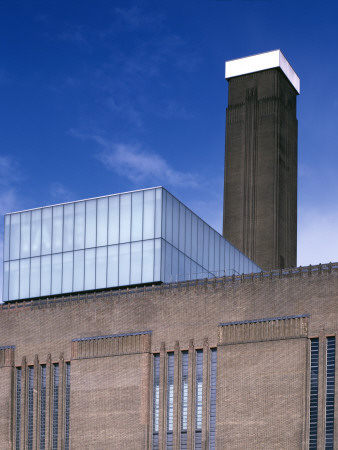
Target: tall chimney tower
260	188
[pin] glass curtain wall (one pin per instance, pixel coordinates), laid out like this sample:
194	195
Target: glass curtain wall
124	239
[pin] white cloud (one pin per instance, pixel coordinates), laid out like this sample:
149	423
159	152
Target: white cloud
317	236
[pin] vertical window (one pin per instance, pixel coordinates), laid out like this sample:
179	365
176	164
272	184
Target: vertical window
170	400
330	382
18	408
198	399
43	407
156	400
30	407
314	394
212	409
184	400
55	406
67	406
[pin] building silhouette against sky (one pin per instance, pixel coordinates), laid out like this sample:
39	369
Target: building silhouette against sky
129	323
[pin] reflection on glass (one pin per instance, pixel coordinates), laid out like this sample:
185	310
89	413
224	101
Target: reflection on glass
56	273
200	236
67	272
158	213
148	261
57	228
188	233
169	219
78	281
205	246
194	240
14	279
149	214
113	266
90	224
35	277
181	236
136	263
46	231
101	267
25	234
125	217
46	273
79	233
89	279
15	236
211	263
6	282
124	264
68	227
137	216
24	278
36	233
6	237
114	220
175	222
157	263
102	221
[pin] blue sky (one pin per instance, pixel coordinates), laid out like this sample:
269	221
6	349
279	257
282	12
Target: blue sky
108	96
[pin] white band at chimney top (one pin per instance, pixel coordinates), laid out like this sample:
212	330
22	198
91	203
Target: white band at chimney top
263	61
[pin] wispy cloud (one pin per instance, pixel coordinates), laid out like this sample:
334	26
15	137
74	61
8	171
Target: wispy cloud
135	19
61	193
139	164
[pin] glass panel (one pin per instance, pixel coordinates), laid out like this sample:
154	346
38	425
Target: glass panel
89	279
43	392
13	280
124	264
113	266
205	246
137	216
67	272
125	217
90	224
148	262
102	221
163	259
56	273
176	210
6	237
5	282
163	213
101	267
330	388
200	236
156	400
187	268
198	394
149	214
184	393
35	277
30	407
169	219
174	265
188	233
79	233
194	240
157	264
55	406
57	228
217	256
15	236
181	268
231	260
114	220
46	231
170	398
211	259
314	364
227	257
25	235
181	231
167	274
136	263
18	409
36	233
46	274
78	281
158	212
67	421
24	278
212	411
68	227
